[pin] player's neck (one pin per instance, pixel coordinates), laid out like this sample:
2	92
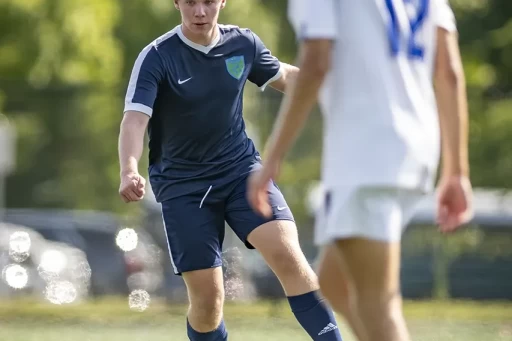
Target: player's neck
201	39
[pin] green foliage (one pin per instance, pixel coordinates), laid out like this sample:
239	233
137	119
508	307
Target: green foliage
61	75
486	45
64	68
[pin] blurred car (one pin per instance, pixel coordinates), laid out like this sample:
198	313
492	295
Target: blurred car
32	265
114	271
473	263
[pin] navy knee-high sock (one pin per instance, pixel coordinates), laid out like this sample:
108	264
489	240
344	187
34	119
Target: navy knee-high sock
315	317
219	334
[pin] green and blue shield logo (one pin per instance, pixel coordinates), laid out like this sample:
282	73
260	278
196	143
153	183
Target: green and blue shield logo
236	66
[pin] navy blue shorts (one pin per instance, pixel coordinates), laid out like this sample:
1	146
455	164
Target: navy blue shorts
195	223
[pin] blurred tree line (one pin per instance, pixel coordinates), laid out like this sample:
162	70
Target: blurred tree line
65	64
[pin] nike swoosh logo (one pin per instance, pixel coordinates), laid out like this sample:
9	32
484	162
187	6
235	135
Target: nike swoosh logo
280	208
183	81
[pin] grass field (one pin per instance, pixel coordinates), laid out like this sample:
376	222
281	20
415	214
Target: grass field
112	321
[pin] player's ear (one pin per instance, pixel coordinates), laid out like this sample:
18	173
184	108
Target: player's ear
222	4
176	4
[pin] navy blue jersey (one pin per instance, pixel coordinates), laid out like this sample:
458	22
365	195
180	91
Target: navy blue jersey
194	96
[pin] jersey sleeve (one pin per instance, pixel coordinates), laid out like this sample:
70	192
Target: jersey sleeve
445	17
314	19
266	68
146	75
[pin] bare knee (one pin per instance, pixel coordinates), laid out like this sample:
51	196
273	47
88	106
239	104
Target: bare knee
379	302
206	296
278	243
287	261
207	305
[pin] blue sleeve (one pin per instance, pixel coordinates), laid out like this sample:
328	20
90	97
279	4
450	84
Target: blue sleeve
265	68
147	73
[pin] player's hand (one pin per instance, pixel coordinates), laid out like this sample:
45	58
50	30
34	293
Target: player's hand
132	187
257	193
454	203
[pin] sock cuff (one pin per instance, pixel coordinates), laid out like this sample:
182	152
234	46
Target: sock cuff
213	335
305	301
315	317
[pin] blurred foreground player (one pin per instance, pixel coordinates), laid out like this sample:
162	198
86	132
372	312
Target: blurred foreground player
187	88
391	86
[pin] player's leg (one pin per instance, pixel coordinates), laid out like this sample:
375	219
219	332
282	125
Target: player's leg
278	243
378	299
277	240
195	236
338	289
206	297
366	225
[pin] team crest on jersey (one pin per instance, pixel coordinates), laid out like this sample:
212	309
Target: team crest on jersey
236	66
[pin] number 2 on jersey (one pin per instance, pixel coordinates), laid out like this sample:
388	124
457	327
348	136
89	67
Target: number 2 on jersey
414	49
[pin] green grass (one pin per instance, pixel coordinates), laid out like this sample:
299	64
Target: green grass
111	320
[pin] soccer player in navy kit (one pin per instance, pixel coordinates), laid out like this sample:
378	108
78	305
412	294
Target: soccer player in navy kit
186	87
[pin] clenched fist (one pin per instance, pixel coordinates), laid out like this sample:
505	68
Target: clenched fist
132	187
454	200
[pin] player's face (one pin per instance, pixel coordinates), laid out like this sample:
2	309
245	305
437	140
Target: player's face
199	16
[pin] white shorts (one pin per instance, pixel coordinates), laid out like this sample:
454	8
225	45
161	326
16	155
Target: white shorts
376	213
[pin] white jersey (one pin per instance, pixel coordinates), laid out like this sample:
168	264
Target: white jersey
381	120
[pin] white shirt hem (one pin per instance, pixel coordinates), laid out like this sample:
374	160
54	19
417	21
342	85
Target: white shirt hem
138	107
278	75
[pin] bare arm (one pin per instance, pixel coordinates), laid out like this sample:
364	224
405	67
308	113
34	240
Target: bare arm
301	96
131	141
450	89
289	74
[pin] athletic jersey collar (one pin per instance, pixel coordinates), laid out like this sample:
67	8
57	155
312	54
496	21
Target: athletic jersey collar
199	47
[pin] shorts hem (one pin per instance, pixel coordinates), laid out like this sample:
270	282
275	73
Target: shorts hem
246	241
350	235
196	268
